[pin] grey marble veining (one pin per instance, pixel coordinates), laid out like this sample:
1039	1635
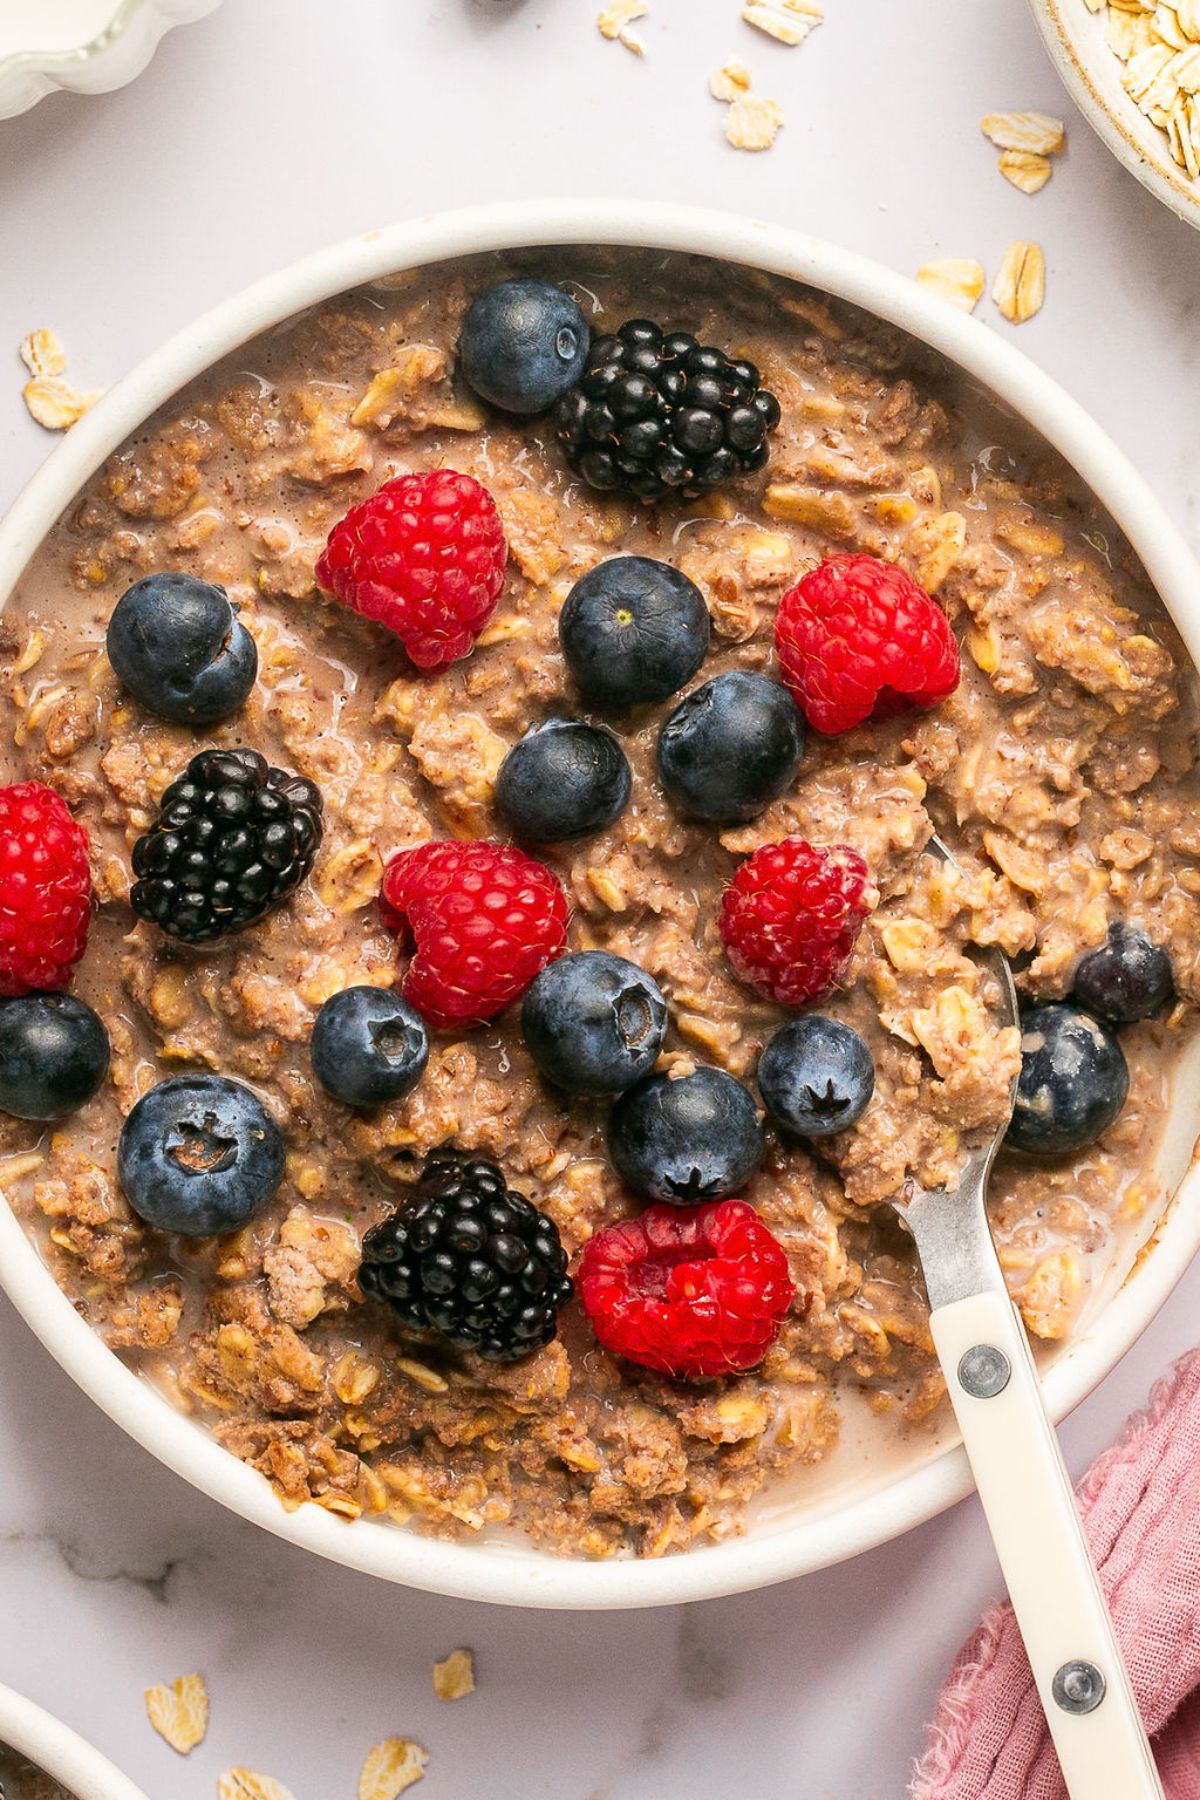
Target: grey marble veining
271	128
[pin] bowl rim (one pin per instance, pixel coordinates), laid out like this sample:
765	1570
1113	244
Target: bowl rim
1157	171
56	1750
505	1572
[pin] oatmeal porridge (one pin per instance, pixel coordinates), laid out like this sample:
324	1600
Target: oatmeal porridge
1059	768
19	1780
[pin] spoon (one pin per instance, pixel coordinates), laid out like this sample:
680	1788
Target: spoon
1019	1473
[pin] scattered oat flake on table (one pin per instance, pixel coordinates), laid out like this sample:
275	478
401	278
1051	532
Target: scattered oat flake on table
454	1676
54	403
1183	133
1020	284
42	353
390	1768
616	18
730	81
1025	131
789	21
179	1713
753	124
244	1784
958	279
1026	169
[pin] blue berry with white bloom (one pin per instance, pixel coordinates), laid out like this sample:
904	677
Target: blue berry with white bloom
199	1155
523	344
816	1076
368	1046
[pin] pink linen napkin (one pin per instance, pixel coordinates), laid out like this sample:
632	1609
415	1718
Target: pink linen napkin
1141	1507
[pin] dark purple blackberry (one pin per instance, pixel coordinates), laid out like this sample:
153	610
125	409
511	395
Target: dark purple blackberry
656	412
470	1259
233	838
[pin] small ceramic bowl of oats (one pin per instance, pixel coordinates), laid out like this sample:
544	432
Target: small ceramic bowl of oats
1133	67
41	1759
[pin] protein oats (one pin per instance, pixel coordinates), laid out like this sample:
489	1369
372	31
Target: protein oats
1061	763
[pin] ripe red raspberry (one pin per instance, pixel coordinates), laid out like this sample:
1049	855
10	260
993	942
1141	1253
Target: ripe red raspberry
790	916
693	1291
858	639
425	556
484	919
45	890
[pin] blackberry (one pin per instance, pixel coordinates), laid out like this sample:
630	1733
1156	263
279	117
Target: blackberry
657	412
470	1259
233	838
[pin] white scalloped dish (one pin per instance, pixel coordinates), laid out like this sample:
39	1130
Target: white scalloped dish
86	46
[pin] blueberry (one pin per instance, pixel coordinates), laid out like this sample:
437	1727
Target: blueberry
54	1054
523	344
594	1023
179	647
816	1076
368	1046
199	1155
1128	978
633	630
695	1138
731	747
564	779
1073	1081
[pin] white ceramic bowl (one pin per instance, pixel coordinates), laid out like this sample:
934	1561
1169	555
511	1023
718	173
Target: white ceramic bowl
792	1537
58	1751
1074	36
88	46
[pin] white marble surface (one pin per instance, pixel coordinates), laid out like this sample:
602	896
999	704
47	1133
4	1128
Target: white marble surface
269	129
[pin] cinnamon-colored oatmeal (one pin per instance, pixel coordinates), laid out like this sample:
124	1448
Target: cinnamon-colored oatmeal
1061	772
19	1780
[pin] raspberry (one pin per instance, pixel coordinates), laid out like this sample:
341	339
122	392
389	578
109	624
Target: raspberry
858	639
424	556
45	890
790	916
484	920
693	1291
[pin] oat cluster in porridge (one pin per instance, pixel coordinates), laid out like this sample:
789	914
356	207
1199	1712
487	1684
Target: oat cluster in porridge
516	984
19	1780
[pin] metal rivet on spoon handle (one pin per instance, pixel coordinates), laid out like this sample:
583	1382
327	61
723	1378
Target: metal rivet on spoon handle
984	1371
1079	1687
